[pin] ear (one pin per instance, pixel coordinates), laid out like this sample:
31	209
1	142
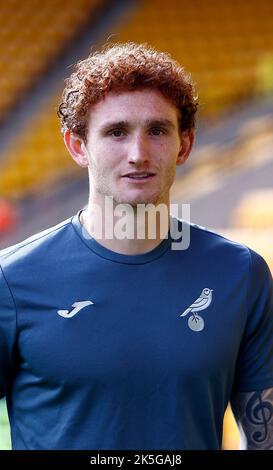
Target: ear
76	148
187	140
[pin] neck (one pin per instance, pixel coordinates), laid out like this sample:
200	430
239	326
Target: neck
127	229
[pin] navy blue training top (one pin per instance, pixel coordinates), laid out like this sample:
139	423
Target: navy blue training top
100	350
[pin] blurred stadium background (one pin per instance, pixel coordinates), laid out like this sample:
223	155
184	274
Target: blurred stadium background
228	48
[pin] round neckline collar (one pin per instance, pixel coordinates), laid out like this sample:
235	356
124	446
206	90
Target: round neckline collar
104	252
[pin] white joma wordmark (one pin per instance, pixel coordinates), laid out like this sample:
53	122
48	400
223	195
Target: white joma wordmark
77	307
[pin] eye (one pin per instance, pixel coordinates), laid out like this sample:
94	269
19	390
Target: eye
157	131
116	132
206	291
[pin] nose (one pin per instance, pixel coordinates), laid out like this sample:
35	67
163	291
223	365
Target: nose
138	150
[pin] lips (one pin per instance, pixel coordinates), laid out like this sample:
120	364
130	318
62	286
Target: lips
139	175
139	178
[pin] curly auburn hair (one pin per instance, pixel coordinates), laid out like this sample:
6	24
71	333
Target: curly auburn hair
124	67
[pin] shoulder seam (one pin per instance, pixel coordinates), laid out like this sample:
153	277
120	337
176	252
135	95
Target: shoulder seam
248	281
13	299
218	235
22	244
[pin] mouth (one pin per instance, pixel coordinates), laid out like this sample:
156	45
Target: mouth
139	177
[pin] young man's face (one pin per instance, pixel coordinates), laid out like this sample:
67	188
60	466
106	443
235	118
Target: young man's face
134	145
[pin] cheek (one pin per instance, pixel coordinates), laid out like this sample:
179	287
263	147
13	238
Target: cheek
168	157
168	149
101	160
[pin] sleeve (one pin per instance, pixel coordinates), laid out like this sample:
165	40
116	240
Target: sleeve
254	368
7	334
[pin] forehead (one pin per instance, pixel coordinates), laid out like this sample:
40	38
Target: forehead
133	106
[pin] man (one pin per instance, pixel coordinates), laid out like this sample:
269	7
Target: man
113	342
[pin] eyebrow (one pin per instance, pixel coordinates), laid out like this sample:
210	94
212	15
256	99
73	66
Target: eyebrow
148	123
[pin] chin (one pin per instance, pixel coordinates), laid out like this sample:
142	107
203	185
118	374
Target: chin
138	197
142	201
